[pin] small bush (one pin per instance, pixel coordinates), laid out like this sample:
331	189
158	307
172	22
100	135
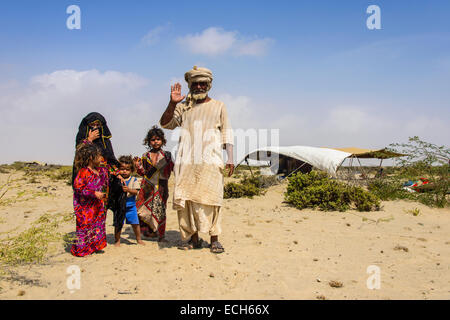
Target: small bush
18	165
389	189
4	169
249	186
316	190
422	160
62	173
392	188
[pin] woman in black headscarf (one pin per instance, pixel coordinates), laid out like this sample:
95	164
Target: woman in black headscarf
94	129
92	123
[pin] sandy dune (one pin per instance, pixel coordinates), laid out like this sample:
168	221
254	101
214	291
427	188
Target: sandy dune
273	251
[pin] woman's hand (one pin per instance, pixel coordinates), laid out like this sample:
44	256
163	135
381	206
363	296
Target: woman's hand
93	135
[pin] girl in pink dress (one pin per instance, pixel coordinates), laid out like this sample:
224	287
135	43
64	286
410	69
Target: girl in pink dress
89	186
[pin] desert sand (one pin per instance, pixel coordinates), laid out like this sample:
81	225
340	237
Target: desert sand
272	251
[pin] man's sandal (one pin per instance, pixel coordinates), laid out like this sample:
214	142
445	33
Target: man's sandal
216	247
190	245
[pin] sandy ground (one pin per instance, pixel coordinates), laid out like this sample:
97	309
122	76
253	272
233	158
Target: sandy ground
273	251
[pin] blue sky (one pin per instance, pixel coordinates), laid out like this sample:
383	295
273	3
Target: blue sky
311	69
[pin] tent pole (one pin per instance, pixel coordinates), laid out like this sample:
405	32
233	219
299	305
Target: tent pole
295	170
379	174
350	172
354	171
249	166
363	171
339	167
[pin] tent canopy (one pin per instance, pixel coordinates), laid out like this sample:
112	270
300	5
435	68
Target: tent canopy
321	158
370	154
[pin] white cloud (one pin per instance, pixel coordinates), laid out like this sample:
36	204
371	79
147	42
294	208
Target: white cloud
256	47
354	126
216	41
40	118
336	126
239	110
153	36
211	41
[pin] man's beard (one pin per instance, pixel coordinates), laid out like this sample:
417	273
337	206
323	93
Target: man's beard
199	96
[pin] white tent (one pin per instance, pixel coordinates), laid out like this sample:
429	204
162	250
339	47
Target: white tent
321	158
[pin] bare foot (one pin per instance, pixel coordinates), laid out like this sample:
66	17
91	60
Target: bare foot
117	244
141	242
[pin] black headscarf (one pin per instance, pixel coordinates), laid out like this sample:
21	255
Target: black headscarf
103	141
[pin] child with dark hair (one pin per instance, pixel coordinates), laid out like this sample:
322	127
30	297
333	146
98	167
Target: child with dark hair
131	186
155	167
88	196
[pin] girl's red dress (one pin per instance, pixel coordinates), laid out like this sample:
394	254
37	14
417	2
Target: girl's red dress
90	212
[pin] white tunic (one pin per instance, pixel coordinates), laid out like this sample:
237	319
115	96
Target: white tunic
205	129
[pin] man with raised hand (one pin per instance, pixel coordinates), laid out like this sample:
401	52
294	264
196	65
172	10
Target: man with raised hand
205	131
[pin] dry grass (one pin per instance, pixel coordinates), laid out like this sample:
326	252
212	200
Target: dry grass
33	244
415	212
4	188
24	195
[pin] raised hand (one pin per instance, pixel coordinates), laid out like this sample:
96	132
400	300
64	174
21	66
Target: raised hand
175	93
93	135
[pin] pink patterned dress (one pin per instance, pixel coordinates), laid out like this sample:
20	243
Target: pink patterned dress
90	211
152	198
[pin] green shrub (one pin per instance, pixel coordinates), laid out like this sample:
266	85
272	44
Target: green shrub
422	160
4	169
392	188
316	190
62	173
249	186
389	189
363	200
